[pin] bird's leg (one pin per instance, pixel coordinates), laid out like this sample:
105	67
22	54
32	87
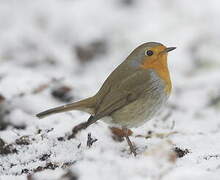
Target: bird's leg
118	134
82	126
132	149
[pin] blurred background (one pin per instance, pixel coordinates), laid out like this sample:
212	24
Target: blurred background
55	52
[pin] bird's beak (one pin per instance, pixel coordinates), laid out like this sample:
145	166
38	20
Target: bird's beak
169	49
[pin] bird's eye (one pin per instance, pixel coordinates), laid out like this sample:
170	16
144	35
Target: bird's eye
149	53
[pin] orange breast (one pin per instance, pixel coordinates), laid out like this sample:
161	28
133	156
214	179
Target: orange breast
159	65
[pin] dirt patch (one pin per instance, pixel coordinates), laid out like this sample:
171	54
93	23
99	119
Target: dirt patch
180	152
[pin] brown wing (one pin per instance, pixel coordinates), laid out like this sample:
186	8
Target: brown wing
118	96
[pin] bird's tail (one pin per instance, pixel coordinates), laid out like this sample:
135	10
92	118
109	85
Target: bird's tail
86	105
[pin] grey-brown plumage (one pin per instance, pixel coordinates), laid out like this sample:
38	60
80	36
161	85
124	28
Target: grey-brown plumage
129	96
132	93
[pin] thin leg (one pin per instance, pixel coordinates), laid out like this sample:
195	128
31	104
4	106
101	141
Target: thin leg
82	126
132	149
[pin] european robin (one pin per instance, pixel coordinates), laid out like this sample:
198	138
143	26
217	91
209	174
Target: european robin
132	94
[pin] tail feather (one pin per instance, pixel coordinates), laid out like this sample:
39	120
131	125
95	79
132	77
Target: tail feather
86	105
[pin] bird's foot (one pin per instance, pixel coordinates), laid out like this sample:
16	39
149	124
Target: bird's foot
132	147
119	134
126	133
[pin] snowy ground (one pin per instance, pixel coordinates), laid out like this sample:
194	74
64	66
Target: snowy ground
71	46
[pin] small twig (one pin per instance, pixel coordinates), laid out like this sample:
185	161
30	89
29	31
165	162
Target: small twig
90	140
79	145
158	135
40	88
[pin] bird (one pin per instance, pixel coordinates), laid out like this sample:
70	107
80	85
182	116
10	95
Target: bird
131	95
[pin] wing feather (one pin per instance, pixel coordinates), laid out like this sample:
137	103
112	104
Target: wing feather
123	93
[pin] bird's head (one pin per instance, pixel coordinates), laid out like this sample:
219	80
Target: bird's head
152	56
150	53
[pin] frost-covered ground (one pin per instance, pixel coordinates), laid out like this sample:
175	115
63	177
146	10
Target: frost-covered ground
53	52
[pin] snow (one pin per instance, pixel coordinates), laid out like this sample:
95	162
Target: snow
38	48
